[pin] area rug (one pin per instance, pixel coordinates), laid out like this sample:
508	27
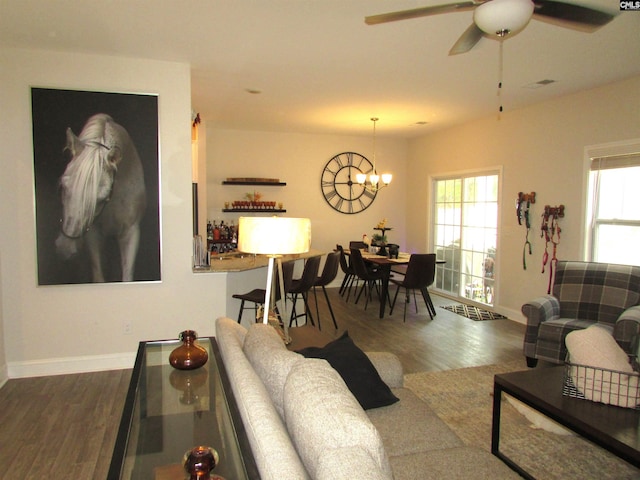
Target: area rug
463	399
474	313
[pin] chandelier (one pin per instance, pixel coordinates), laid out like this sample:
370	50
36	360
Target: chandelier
372	182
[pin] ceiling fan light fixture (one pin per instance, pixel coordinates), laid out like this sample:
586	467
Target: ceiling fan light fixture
502	17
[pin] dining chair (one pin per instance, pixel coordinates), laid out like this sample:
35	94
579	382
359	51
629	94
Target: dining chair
301	286
329	273
349	273
420	274
257	295
369	277
357	244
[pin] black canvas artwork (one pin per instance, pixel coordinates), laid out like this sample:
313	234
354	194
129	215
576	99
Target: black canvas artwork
96	168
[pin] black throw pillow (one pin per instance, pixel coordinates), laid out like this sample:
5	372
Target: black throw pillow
356	370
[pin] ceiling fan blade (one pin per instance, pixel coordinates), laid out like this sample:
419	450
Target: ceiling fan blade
566	14
420	12
467	40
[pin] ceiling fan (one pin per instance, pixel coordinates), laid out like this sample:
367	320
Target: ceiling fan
504	17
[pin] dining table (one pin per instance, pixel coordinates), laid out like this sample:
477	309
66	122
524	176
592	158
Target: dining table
384	265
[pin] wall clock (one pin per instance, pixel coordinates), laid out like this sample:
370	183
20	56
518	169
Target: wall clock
339	185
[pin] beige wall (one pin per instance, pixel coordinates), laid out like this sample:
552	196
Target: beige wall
4	374
67	328
59	329
298	160
541	149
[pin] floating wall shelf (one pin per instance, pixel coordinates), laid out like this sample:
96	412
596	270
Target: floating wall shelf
264	184
257	210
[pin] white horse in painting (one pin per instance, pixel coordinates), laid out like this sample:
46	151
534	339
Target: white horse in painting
103	195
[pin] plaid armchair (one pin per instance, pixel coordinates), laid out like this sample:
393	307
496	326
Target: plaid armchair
584	293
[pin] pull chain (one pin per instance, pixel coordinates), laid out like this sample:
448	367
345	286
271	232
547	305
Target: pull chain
500	73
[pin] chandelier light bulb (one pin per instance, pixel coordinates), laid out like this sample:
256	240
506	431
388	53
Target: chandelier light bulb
373	182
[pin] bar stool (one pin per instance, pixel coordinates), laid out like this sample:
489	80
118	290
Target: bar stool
256	296
349	273
329	273
370	278
301	286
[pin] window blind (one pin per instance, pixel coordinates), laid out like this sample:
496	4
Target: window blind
615	161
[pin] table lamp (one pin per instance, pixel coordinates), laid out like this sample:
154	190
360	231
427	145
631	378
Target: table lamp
274	237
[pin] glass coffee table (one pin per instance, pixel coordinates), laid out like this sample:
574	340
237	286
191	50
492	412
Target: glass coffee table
168	412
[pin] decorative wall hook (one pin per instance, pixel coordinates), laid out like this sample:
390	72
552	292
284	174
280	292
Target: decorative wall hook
527	197
550	230
522	211
557	211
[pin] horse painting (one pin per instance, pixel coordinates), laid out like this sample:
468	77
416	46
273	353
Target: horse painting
103	195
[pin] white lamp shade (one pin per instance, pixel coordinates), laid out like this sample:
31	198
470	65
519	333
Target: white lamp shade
361	177
386	178
496	16
274	235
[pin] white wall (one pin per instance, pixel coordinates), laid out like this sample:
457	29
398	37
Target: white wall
4	374
58	329
298	160
541	149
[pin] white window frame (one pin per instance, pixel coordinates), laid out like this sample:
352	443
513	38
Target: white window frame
612	152
495	170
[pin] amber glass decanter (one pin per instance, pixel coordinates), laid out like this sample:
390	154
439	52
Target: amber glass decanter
189	355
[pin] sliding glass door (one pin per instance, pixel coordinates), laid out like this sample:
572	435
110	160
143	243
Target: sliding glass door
465	226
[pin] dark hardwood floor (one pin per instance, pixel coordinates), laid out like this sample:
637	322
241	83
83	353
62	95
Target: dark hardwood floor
64	427
448	341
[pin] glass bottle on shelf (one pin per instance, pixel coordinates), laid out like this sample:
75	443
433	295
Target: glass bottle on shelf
234	235
209	235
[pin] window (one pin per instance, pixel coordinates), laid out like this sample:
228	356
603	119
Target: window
465	225
613	214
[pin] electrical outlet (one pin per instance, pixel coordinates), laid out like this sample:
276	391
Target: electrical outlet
126	327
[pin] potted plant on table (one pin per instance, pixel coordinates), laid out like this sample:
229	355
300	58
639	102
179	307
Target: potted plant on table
379	240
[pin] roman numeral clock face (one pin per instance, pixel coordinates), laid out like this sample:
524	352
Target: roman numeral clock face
340	188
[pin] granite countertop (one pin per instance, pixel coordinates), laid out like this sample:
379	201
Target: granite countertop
239	262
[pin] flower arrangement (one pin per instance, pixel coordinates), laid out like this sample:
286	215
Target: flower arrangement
379	240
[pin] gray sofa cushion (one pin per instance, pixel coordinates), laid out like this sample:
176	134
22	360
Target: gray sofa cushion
274	453
313	387
389	367
337	464
270	359
410	426
461	462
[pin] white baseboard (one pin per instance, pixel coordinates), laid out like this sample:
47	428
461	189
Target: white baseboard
4	375
515	315
69	365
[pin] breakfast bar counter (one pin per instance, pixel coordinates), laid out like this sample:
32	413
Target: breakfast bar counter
240	262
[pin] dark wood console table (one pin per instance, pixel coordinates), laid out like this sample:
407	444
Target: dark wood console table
614	428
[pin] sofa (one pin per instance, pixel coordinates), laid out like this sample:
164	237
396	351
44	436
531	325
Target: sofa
583	294
303	421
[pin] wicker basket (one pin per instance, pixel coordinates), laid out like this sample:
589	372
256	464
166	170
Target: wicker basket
601	385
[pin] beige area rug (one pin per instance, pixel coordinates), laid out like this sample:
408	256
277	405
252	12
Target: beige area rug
463	398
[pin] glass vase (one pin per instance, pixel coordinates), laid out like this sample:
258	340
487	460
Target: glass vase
189	355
